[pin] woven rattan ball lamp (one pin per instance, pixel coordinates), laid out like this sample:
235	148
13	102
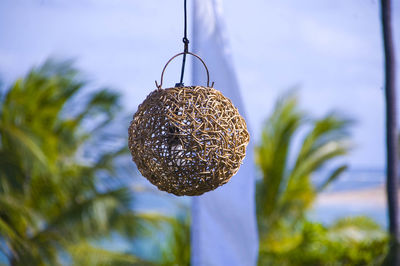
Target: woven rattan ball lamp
187	140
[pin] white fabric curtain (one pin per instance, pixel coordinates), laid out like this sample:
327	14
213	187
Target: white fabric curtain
224	229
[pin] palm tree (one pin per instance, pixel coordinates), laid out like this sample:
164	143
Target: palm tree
56	198
285	191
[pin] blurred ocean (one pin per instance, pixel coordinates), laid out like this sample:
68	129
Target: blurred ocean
344	197
356	192
353	179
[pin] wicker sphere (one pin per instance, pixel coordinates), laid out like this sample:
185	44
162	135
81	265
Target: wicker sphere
188	140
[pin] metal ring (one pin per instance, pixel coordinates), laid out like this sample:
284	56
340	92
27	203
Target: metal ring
195	55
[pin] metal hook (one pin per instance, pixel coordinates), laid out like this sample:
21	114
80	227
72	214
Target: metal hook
198	57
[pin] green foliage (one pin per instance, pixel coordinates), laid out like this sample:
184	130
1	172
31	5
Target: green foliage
350	241
86	254
53	199
170	237
285	193
176	250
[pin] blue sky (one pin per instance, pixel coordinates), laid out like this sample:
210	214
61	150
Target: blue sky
331	49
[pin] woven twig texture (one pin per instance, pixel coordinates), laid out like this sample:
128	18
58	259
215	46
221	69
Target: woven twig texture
188	140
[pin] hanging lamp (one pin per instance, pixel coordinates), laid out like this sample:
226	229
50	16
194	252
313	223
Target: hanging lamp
187	140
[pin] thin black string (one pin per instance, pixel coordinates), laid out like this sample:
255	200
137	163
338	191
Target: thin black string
186	45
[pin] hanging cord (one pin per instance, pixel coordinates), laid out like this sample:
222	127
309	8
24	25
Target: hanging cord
186	47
